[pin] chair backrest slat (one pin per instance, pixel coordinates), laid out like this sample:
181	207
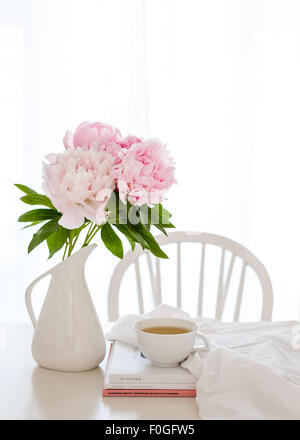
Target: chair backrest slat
139	286
158	281
240	293
178	276
227	282
205	239
152	278
201	282
220	287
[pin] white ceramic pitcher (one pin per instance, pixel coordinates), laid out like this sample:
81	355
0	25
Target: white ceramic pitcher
68	335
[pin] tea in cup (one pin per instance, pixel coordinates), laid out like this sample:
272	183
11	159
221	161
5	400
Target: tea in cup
168	341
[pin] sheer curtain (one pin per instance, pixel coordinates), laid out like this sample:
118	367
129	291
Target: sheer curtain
217	80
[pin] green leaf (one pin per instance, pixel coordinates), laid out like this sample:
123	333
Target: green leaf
56	240
111	240
112	207
163	216
33	224
161	229
33	198
157	215
152	244
139	234
128	235
169	225
25	189
145	213
132	243
131	232
42	234
113	201
133	215
78	230
37	199
157	251
39	215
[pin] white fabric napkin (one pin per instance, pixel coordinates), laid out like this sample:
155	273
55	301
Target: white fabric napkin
251	371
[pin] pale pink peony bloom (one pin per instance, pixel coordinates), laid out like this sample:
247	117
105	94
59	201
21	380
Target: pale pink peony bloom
145	173
129	141
96	135
79	184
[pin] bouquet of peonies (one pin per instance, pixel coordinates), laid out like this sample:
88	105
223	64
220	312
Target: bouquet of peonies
102	183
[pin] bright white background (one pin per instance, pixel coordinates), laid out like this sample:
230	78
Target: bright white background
217	80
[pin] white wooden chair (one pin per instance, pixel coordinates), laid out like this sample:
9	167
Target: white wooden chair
234	248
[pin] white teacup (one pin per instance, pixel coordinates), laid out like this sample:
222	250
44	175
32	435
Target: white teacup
168	350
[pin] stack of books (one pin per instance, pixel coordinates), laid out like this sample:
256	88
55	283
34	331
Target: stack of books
129	373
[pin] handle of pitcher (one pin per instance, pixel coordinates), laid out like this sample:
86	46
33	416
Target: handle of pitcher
28	293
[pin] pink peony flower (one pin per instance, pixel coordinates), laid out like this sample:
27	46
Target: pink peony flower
89	135
145	173
79	184
129	141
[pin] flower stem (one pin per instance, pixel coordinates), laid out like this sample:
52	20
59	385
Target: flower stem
87	235
70	242
65	251
93	233
74	242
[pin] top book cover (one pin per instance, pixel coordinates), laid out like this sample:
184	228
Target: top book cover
128	367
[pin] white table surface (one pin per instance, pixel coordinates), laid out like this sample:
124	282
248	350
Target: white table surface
28	391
